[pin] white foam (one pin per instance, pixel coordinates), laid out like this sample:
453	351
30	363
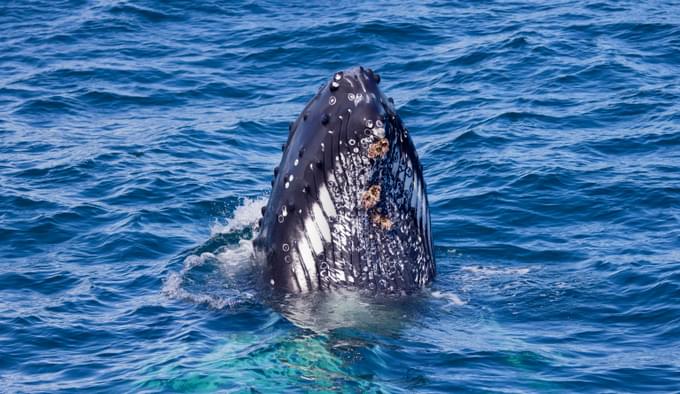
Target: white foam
494	271
244	216
448	296
229	259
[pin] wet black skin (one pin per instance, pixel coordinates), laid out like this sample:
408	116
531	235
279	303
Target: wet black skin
388	256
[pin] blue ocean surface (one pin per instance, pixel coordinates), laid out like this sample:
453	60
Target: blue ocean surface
137	142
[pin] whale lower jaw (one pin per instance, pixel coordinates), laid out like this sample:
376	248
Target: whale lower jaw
348	206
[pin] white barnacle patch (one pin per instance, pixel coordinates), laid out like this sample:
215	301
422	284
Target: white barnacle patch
291	177
272	282
285	247
296	162
332	100
286	185
379	132
284	211
351	96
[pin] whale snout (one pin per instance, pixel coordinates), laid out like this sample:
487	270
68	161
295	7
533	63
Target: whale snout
348	204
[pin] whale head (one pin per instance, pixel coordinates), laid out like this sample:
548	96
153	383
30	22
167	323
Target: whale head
348	206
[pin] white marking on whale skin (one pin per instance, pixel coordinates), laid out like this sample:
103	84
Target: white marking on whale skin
358	98
363	87
419	206
313	235
415	194
342	234
395	168
299	274
326	202
307	259
379	132
321	222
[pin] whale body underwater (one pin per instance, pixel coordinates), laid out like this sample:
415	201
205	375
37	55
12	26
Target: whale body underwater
348	206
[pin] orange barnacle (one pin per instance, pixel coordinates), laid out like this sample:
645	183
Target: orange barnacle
385	223
381	220
379	148
371	197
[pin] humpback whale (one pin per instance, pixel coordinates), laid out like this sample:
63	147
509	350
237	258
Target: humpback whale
348	207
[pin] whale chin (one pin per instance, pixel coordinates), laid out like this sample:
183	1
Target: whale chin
348	206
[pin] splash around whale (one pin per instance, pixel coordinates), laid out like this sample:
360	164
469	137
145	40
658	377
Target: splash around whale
348	206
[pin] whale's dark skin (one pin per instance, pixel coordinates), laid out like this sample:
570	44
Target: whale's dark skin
348	206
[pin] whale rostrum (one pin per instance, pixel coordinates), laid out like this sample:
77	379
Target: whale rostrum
348	206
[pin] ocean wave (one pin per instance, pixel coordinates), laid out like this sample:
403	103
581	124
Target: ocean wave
137	141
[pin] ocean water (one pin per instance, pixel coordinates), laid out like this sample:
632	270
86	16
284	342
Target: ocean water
137	142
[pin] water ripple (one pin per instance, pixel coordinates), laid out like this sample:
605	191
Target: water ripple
137	141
